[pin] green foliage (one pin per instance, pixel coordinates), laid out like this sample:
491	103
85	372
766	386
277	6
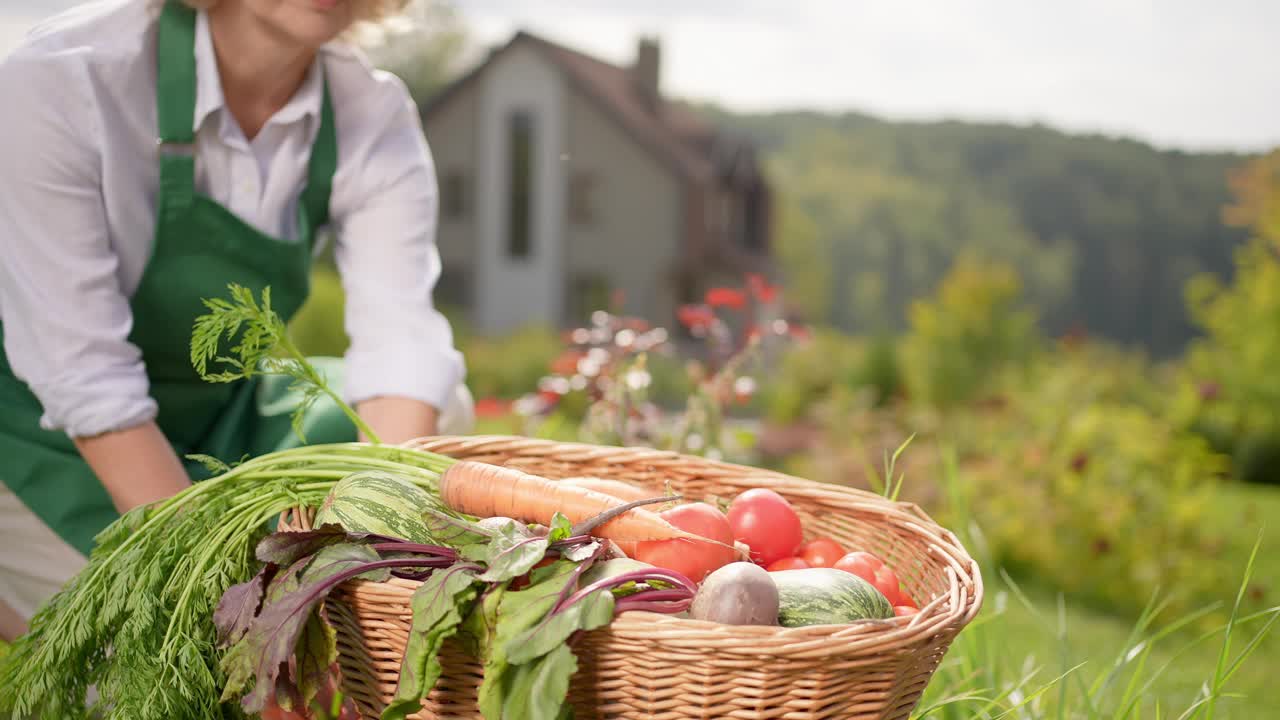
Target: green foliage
828	360
1231	390
509	366
263	347
1098	497
1104	232
960	341
317	328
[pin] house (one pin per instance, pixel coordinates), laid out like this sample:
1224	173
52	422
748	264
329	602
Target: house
566	181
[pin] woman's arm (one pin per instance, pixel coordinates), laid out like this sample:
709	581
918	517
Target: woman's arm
11	624
66	316
402	366
137	466
398	419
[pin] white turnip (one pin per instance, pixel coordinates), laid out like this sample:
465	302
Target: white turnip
739	593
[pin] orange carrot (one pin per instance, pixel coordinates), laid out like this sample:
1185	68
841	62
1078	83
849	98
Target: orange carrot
484	490
613	488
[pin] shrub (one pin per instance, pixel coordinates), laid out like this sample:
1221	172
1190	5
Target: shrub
318	328
809	372
974	327
1231	391
508	366
1081	485
1076	478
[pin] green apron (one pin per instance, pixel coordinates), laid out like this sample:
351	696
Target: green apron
199	248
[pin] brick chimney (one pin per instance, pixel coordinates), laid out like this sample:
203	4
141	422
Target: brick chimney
647	72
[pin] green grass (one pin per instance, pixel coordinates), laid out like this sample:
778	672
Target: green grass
1028	636
1037	655
1236	515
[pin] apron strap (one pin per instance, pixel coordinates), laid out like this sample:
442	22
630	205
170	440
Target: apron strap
176	108
176	103
314	205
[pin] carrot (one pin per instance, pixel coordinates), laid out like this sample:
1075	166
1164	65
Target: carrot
484	490
614	488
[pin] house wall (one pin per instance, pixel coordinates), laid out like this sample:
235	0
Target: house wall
631	238
515	292
452	135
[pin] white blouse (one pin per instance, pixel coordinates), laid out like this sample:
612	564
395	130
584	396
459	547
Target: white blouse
78	185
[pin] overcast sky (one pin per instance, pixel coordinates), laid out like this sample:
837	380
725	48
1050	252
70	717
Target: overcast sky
1176	73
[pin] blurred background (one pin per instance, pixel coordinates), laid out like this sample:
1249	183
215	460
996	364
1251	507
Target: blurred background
1018	263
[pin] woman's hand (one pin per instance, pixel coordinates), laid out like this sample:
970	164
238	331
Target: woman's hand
399	419
137	466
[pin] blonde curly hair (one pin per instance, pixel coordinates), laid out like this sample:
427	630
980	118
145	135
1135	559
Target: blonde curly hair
365	10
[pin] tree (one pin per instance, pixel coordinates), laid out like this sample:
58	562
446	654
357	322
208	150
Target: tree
1233	393
426	46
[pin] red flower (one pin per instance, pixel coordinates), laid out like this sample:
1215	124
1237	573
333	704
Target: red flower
492	408
726	297
695	316
567	363
761	289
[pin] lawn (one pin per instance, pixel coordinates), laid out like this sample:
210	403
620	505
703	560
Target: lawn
1020	631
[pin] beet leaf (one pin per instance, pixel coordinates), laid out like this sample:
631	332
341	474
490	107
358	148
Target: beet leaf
316	652
439	607
290	600
511	554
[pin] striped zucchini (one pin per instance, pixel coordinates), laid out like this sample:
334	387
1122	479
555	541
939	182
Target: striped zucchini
826	596
377	502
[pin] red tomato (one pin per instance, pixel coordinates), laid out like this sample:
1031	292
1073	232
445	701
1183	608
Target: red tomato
765	521
887	583
823	552
791	563
903	611
904	598
695	560
862	564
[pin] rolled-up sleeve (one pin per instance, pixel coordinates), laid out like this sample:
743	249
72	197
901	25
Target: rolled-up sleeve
66	319
384	207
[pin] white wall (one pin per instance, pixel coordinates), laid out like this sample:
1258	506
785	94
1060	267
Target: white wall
634	237
511	293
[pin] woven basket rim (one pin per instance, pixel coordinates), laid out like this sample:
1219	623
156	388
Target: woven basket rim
946	613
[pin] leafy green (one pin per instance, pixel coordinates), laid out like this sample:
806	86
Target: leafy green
239	606
263	338
526	649
537	690
593	611
561	528
512	554
286	608
439	607
134	622
210	463
454	531
316	652
287	548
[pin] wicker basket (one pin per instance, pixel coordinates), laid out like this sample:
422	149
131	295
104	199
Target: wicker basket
657	667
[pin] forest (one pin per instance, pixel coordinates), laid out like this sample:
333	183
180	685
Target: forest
1105	232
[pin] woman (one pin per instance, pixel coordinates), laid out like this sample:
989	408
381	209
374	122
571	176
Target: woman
154	153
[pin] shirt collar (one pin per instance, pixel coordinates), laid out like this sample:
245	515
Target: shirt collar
305	103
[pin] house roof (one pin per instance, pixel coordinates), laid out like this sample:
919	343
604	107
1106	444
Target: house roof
674	133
